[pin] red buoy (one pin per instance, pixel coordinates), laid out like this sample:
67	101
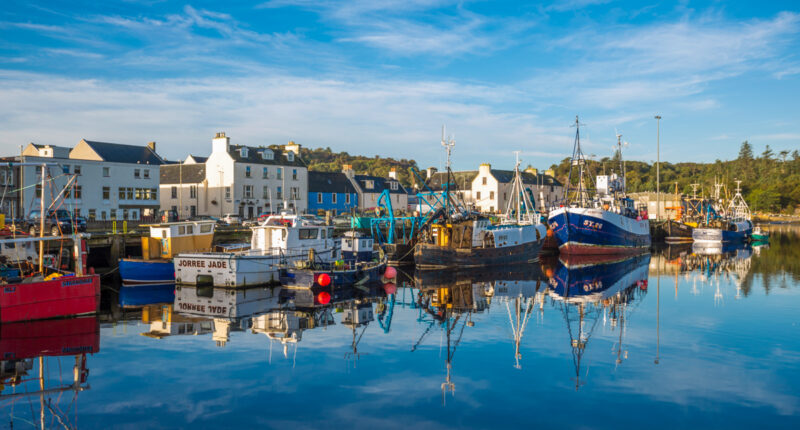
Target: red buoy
390	288
324	297
324	280
390	273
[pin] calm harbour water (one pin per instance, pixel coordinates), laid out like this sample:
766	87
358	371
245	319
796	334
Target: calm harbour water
682	338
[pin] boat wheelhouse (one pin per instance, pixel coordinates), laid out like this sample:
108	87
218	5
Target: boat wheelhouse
278	242
164	242
735	226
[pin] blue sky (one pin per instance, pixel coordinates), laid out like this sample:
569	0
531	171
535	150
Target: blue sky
382	76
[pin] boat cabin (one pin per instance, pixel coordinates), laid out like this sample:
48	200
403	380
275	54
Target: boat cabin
172	238
357	247
281	233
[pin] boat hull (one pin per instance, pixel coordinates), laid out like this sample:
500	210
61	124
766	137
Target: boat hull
677	232
306	278
429	256
138	272
59	297
598	232
69	336
717	235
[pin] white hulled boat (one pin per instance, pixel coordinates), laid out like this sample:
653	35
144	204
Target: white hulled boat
279	241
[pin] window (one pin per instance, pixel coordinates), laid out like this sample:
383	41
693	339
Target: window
175	209
136	173
295	193
77	170
193	191
393	185
66	169
491	194
38	190
279	174
124	214
505	196
248	191
243	152
113	214
478	195
205	228
294	174
154	193
92	214
347	198
145	194
121	193
483	180
369	184
181	229
280	193
130	193
103	215
227	192
323	233
78	191
77	213
106	193
333	198
265	192
307	233
290	156
106	172
139	194
174	191
247	172
147	173
319	197
189	228
265	173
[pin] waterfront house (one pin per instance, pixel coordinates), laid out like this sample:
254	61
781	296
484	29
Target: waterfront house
369	189
331	191
491	187
184	189
240	179
113	181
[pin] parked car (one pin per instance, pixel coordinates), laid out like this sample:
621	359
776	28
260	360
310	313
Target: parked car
56	223
231	219
168	215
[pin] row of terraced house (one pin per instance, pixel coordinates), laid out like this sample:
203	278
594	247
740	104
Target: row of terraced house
112	181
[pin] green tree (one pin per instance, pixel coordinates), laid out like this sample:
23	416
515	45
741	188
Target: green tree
745	151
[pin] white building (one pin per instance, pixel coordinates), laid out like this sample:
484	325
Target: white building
491	188
237	179
113	181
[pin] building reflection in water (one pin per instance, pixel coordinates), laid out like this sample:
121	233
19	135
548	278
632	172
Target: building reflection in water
45	360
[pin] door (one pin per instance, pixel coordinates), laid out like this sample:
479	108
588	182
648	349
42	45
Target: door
249	212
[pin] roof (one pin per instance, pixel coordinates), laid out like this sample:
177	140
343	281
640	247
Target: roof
462	180
380	184
198	159
183	173
253	156
329	182
119	153
506	176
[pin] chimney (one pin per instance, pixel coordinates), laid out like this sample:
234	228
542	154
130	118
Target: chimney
532	171
393	173
550	172
430	172
293	147
220	142
347	169
152	146
485	168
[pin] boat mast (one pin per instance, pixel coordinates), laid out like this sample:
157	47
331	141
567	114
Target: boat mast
577	160
448	143
41	219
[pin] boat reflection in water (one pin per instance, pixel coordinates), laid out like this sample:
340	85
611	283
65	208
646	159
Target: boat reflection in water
135	296
37	359
448	300
589	293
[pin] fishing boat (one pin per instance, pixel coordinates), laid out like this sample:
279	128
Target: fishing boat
606	223
359	265
44	292
759	235
166	240
275	244
466	240
734	226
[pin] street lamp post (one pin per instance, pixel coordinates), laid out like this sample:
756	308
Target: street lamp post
658	166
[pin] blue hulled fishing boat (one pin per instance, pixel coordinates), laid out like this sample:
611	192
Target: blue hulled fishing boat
733	226
602	224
